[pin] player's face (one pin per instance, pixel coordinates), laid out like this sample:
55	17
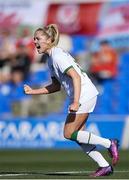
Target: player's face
41	42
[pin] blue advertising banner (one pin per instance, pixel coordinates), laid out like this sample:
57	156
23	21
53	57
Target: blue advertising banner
47	132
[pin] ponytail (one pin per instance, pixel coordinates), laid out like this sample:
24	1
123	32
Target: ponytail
54	34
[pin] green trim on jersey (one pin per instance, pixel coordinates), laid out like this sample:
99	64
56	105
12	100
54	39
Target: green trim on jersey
74	136
67	69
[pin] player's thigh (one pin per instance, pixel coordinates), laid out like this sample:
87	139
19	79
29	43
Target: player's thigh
74	122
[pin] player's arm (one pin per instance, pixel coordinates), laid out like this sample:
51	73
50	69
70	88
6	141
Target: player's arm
53	87
77	88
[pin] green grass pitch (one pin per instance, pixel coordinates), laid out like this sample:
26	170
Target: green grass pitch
55	164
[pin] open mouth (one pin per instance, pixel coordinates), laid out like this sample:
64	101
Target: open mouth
37	46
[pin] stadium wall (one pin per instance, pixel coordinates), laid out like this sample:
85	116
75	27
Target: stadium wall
47	132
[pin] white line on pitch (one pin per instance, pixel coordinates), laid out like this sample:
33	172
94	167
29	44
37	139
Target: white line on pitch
58	172
79	172
21	174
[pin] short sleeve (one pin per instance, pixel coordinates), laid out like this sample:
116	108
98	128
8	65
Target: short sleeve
63	61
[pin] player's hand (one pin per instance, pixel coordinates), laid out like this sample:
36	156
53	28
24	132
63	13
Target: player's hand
28	89
74	107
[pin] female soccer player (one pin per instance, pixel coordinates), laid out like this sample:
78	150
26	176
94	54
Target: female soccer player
82	94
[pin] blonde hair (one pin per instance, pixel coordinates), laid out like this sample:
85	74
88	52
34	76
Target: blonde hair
51	31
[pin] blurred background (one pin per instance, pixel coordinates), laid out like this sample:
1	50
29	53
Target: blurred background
96	33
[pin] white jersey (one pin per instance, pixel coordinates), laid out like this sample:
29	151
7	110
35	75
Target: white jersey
59	63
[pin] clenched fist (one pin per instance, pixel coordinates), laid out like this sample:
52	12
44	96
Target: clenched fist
74	107
28	89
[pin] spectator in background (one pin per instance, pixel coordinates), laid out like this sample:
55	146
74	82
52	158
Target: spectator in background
7	51
21	62
104	63
20	68
27	41
7	47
